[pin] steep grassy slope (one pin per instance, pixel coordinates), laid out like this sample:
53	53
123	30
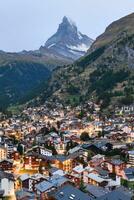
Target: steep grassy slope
115	30
18	78
21	72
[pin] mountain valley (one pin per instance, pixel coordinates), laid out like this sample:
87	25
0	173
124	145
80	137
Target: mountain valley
21	73
105	74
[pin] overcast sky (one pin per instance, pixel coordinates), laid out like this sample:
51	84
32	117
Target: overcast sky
27	24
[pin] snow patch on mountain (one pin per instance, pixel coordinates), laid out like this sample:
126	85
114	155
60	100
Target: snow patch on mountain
80	35
51	45
81	47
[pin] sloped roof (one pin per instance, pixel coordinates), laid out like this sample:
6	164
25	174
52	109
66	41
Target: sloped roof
116	195
44	186
69	192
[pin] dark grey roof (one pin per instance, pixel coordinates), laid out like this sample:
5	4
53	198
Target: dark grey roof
2	192
100	144
44	186
6	160
117	162
24	193
69	192
6	175
53	169
96	191
116	195
85	146
125	191
58	180
101	171
129	172
61	158
70	156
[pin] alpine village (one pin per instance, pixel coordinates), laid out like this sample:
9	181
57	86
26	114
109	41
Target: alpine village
67	117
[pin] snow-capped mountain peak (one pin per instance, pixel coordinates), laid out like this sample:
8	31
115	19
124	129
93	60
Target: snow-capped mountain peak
68	41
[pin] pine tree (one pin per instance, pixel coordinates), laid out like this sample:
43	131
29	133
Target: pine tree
82	186
20	149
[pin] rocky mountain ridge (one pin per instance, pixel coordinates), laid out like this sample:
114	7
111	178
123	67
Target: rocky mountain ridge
68	41
105	74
